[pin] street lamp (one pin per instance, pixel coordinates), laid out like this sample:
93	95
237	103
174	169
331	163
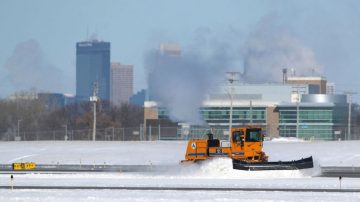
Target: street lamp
94	99
231	78
349	94
297	113
65	137
18	127
231	108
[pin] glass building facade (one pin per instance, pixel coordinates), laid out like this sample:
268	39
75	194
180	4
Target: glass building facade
92	65
240	115
315	122
281	111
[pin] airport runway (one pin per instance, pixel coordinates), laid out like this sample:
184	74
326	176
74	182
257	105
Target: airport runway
326	171
179	188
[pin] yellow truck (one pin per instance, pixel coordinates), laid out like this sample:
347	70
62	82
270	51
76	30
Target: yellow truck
244	148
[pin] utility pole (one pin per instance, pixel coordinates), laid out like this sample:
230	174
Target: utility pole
349	94
66	136
231	78
297	113
94	100
18	128
251	113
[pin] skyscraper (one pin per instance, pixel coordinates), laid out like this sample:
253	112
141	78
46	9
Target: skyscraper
121	83
170	49
92	65
167	52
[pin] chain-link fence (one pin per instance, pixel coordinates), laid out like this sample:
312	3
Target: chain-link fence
104	134
149	133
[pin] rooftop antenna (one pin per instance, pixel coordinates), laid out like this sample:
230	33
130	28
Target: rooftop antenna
284	71
313	71
293	72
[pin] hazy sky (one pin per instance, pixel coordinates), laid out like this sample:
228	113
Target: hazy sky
38	36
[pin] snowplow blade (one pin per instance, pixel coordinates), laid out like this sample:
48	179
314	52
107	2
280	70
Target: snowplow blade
279	165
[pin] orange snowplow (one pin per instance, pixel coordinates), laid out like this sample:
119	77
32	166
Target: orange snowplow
244	148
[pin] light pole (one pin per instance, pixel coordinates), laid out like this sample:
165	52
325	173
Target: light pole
231	77
65	137
231	109
18	128
297	114
251	112
94	99
349	94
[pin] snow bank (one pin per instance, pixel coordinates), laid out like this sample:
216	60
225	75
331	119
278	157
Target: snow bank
287	139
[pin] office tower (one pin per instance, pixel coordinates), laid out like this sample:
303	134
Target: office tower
166	52
92	65
170	49
121	83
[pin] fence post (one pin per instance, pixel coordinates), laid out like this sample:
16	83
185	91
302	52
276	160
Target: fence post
140	130
159	133
123	132
150	133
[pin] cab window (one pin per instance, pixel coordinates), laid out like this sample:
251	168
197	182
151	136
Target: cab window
253	135
238	136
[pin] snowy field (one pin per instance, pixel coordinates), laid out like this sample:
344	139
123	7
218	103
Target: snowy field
214	173
165	196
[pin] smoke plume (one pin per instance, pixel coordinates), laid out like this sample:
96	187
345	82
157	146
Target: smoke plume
180	82
28	68
270	48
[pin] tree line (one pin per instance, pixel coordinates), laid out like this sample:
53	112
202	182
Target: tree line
23	111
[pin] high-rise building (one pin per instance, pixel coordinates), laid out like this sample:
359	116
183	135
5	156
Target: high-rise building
165	52
170	49
92	65
121	83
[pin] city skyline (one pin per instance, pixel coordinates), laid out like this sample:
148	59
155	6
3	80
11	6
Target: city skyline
48	30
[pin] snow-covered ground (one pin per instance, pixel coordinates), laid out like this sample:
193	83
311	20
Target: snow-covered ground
214	173
165	196
341	153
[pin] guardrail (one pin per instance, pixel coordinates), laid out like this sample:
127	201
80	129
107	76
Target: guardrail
90	168
343	171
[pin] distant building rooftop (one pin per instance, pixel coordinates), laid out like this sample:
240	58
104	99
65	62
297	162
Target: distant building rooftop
305	78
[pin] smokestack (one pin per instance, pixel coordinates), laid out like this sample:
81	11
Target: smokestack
284	71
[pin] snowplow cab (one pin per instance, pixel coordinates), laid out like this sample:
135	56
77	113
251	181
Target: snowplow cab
245	144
